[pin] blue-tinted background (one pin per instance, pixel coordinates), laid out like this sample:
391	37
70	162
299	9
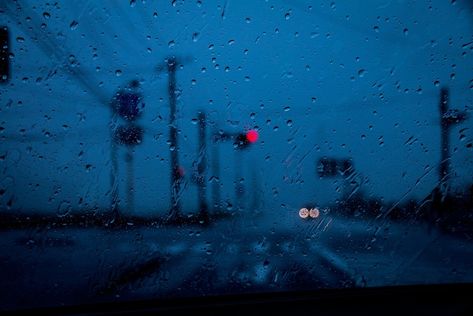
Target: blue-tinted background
340	79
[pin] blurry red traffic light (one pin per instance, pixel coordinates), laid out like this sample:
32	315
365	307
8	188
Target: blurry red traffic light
252	136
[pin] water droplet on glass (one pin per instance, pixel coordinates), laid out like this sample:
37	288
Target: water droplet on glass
46	15
63	209
361	73
171	44
118	72
73	25
73	61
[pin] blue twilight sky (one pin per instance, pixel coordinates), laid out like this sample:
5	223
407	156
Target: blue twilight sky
357	79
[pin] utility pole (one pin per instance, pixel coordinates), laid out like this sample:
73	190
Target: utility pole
216	196
444	143
239	179
170	65
201	169
114	168
448	118
175	172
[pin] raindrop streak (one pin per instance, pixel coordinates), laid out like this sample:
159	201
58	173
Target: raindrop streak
73	25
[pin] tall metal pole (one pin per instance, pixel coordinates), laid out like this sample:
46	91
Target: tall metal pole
114	169
444	167
201	169
216	196
239	187
130	194
175	174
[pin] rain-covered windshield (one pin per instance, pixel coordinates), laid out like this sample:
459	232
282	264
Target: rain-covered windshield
163	149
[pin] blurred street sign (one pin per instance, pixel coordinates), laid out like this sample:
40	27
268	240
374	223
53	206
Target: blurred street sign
332	167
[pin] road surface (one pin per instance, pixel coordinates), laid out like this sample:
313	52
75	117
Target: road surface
76	266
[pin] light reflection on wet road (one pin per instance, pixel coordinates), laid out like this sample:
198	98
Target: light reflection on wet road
73	266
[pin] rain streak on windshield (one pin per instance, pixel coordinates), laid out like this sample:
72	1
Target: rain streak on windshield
162	149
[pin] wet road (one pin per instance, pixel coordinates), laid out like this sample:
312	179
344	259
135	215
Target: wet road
74	266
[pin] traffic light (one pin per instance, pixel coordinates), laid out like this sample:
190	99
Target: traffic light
243	140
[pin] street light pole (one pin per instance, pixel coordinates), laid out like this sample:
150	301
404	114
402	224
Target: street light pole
175	172
216	196
444	141
202	168
448	118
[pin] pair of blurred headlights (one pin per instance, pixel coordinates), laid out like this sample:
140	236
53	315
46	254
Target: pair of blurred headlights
309	213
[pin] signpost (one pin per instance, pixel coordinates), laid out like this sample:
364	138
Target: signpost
127	107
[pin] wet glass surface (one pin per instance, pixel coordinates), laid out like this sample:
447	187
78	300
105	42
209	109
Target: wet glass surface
161	149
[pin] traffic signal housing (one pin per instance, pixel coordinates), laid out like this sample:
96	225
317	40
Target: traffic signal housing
243	140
